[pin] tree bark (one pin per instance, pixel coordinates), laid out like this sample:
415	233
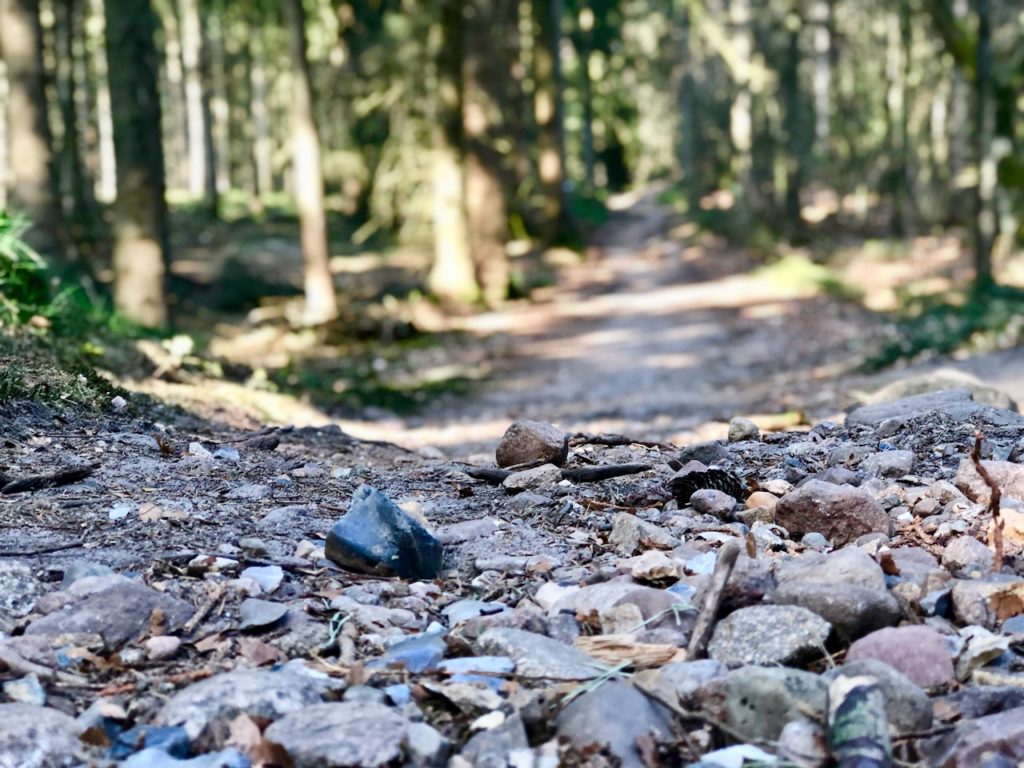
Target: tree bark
77	202
452	274
106	175
547	108
200	162
822	15
140	212
321	301
483	98
741	123
31	177
262	146
986	220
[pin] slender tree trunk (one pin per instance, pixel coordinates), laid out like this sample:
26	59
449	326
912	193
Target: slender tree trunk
106	176
200	166
77	203
215	106
31	156
741	123
686	87
486	203
321	301
452	275
176	124
822	15
140	213
262	146
795	154
986	220
586	24
547	108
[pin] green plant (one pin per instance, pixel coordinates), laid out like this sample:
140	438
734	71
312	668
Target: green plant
23	285
988	318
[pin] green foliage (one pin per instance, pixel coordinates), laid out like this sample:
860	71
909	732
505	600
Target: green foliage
988	318
23	288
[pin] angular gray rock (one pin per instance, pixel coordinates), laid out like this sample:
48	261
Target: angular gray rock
1008	475
709	501
38	737
957	404
256	692
119	613
491	748
339	735
853	611
849	565
613	717
758	701
989	601
376	536
888	464
908	706
965	553
685	678
768	634
529	441
840	512
531	479
538	656
999	734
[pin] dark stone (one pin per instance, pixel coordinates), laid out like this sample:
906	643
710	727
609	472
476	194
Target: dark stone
613	717
379	538
173	740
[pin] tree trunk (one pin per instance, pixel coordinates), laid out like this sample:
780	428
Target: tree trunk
741	123
321	301
31	178
586	24
106	175
140	213
452	275
547	108
986	221
686	87
77	203
200	165
262	146
215	106
176	126
822	15
486	204
789	84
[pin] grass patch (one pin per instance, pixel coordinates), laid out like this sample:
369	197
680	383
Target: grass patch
980	320
796	272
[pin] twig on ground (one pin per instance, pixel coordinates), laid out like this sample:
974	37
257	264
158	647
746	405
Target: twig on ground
614	441
712	600
22	666
573	474
40	550
995	496
54	480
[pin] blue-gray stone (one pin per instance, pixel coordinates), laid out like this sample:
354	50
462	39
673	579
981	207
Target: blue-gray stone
379	538
416	654
171	740
478	669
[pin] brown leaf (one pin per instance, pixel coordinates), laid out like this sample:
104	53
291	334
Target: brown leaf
210	642
889	567
157	622
259	652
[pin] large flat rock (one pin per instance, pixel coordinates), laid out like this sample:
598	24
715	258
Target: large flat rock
957	404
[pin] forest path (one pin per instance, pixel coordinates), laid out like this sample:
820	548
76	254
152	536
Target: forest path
666	334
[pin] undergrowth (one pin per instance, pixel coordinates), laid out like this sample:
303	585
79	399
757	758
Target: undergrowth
979	320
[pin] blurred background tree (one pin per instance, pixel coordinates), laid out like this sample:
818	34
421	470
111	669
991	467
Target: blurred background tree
481	128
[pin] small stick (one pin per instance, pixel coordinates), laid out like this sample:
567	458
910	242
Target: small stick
575	474
19	665
603	472
614	441
37	482
712	600
995	496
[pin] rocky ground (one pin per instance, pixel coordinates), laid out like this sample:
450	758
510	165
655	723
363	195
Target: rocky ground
177	593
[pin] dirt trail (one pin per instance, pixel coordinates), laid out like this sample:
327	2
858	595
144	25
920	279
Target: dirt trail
660	335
